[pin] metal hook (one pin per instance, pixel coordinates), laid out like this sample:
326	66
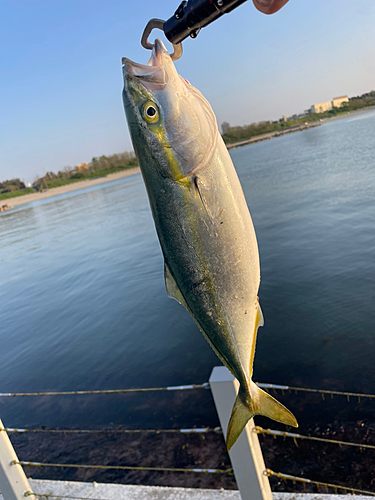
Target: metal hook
159	24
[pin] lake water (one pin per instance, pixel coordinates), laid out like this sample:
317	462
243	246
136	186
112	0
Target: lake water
83	303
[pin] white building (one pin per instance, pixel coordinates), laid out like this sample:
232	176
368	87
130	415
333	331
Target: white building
337	102
225	127
320	107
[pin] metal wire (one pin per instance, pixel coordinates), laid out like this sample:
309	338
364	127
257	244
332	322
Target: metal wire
336	487
322	392
123	467
206	385
272	432
204	430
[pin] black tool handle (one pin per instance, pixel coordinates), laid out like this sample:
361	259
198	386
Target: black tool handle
192	15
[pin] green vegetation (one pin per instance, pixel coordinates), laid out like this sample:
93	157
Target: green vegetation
18	192
12	188
362	101
98	167
236	134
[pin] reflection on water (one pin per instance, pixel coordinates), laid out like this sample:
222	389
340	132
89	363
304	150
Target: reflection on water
83	303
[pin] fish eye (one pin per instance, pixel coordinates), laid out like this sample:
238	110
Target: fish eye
150	112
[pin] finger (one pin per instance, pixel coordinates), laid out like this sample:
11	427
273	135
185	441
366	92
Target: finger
269	6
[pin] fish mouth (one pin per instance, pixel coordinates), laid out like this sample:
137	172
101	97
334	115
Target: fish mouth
154	72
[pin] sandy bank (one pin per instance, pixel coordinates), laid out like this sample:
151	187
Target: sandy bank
27	198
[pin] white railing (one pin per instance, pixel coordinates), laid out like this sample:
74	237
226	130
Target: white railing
13	481
246	456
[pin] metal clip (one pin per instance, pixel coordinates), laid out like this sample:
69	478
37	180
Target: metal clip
159	24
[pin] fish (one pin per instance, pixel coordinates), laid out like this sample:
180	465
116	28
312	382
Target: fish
211	260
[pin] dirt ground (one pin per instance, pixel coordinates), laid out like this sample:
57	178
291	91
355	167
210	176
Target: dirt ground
347	466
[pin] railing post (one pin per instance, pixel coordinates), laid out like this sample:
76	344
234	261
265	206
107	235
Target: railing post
246	454
13	481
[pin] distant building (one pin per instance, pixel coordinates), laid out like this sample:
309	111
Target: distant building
82	167
320	107
225	127
28	184
285	118
337	102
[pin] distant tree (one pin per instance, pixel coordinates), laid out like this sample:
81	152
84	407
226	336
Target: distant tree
11	185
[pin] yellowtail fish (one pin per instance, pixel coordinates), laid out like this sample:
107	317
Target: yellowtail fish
202	221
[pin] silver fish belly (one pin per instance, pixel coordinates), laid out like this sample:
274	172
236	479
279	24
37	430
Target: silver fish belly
202	221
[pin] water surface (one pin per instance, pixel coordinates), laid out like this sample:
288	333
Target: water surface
83	303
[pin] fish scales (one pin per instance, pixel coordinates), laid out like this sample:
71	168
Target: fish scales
202	221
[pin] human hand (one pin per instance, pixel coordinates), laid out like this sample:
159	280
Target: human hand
269	6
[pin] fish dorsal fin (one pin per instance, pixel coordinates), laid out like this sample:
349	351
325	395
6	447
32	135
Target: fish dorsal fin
171	286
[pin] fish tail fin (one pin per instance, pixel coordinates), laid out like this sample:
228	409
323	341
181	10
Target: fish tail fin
258	403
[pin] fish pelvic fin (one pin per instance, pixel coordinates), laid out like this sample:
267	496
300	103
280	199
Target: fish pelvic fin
259	403
172	287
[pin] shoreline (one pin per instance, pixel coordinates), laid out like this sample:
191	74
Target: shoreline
272	135
28	198
297	128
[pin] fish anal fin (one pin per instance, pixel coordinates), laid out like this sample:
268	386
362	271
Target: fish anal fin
260	318
172	288
259	321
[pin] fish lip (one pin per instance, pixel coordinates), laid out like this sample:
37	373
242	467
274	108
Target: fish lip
129	66
134	71
148	71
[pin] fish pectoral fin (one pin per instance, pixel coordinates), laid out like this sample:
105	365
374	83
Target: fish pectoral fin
209	202
259	403
172	288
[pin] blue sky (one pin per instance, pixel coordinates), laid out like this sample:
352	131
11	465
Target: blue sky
61	80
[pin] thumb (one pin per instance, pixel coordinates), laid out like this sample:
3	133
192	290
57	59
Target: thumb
269	6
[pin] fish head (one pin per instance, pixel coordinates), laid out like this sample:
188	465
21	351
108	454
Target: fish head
169	120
